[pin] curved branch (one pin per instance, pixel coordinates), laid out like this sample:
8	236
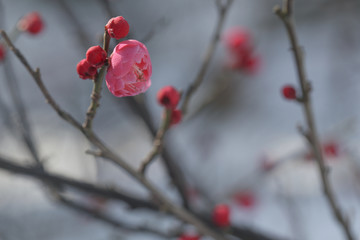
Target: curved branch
285	14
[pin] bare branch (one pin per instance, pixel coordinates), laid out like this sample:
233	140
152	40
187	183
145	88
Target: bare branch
138	106
157	143
285	15
110	220
208	56
62	181
37	77
21	111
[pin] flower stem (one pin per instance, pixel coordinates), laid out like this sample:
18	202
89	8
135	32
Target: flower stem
97	87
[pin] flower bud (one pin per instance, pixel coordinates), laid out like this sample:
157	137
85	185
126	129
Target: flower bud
85	70
117	27
289	92
31	23
168	97
2	52
176	116
96	56
221	215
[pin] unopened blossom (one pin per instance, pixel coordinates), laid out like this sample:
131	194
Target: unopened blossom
221	215
129	69
2	52
31	23
245	199
96	56
85	69
168	97
117	27
176	116
289	92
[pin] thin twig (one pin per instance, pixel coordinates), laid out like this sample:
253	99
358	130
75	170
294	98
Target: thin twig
37	77
21	111
112	221
163	201
157	143
175	172
97	87
223	10
286	16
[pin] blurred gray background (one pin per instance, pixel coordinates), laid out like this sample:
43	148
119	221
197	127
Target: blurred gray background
219	148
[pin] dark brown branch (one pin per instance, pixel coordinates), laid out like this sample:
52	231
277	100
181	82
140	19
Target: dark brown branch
285	15
223	10
98	215
62	181
243	233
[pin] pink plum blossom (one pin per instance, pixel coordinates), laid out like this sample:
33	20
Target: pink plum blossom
129	69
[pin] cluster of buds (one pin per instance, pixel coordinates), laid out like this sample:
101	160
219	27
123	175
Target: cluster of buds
241	50
31	23
169	98
95	58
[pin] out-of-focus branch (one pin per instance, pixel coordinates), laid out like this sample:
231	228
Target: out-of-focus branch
157	143
107	6
285	14
112	221
243	233
37	77
62	181
138	106
21	112
81	34
223	9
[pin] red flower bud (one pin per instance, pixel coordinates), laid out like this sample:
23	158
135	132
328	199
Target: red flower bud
331	149
176	116
168	97
289	92
85	70
189	237
31	23
2	52
221	215
245	199
96	56
117	27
